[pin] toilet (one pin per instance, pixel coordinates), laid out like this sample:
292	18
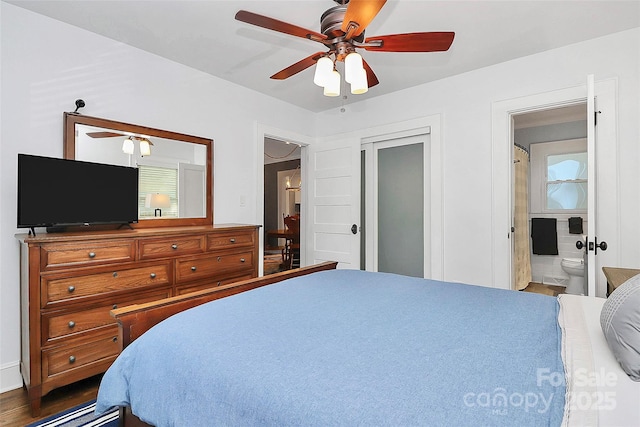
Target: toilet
574	267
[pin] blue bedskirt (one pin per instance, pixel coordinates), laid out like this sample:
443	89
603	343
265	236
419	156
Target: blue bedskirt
349	348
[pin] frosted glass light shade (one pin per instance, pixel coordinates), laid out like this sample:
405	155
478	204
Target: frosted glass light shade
333	86
359	84
127	146
145	148
324	68
352	67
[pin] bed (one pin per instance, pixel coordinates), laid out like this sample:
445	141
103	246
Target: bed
345	347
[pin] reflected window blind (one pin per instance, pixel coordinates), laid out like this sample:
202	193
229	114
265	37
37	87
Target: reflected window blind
153	179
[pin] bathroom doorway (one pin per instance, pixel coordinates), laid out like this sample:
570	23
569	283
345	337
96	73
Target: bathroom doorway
549	198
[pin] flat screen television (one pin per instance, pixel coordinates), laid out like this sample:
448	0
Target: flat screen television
56	193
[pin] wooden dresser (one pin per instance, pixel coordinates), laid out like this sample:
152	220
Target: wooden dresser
71	281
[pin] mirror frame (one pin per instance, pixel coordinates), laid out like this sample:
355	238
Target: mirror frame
70	121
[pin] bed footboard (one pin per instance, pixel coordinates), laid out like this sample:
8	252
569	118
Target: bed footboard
134	320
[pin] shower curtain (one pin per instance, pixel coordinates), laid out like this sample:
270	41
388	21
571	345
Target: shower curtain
521	241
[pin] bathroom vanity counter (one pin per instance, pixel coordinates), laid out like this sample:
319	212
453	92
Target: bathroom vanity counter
617	276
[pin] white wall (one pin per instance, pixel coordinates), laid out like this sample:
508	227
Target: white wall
47	65
465	104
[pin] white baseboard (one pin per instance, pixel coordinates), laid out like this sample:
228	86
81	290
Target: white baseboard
10	377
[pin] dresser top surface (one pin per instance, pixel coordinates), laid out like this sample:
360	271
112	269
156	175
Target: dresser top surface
128	233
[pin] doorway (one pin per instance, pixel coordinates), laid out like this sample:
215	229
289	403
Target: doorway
282	203
548	195
603	206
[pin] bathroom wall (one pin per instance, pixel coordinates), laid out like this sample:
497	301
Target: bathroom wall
547	268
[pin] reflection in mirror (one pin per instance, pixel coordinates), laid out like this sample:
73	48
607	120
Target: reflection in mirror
174	169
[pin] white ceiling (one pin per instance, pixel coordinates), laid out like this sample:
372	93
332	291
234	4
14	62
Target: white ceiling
204	35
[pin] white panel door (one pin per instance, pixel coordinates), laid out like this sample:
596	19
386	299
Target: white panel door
591	189
603	229
334	203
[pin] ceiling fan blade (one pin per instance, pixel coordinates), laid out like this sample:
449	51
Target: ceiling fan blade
361	13
412	42
275	25
372	80
298	66
103	134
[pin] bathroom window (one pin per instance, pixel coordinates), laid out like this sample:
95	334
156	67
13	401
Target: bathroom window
566	186
559	171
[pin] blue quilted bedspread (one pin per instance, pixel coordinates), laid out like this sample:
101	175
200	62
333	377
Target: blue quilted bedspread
349	348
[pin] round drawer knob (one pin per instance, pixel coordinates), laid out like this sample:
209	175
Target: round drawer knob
114	339
174	246
72	324
72	359
115	274
193	268
232	240
71	289
218	284
152	275
92	254
219	259
114	306
242	260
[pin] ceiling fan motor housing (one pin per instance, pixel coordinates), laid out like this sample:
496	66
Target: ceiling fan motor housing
331	21
331	26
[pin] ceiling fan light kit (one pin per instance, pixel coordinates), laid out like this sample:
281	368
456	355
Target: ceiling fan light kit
324	69
352	67
342	31
332	88
128	146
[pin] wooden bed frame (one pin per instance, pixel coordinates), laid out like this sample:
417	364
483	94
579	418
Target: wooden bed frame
134	320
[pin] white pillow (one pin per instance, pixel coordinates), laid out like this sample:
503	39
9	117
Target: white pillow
620	322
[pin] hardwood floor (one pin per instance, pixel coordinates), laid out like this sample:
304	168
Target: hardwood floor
539	288
14	405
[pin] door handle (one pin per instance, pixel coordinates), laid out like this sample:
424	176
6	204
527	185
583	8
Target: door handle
354	229
593	246
602	245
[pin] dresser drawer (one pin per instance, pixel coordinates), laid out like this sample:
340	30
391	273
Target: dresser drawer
230	239
89	253
68	323
69	288
171	247
212	265
66	358
215	282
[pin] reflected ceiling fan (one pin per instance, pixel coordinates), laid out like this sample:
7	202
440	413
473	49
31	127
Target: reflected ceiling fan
342	31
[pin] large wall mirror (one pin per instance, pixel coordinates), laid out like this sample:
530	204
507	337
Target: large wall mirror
176	178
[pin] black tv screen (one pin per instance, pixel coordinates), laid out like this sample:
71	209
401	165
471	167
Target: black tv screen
58	192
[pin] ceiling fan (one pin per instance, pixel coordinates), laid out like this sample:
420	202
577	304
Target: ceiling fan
342	31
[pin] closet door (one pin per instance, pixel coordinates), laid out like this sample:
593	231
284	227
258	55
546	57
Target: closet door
399	209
